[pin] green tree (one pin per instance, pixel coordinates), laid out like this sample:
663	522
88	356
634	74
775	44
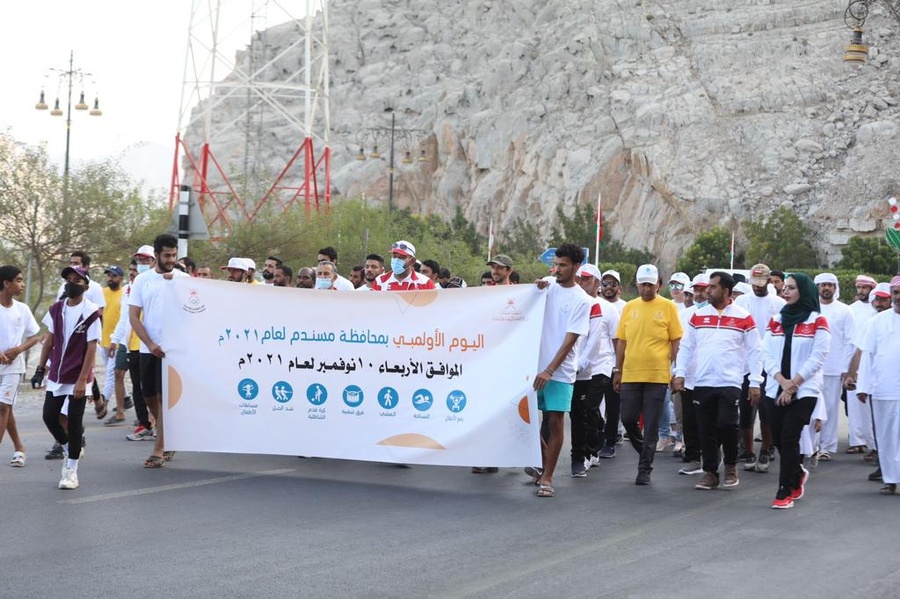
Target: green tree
711	249
781	241
870	255
42	220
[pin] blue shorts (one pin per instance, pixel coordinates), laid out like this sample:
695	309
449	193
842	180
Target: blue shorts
555	397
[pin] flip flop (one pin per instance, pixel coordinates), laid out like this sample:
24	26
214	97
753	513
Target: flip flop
168	455
857	449
890	489
18	460
154	461
102	411
545	491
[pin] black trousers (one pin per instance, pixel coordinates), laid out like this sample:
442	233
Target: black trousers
786	423
717	417
53	408
610	429
137	394
646	399
690	431
585	416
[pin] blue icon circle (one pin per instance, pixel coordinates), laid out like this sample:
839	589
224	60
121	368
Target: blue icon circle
387	398
248	389
282	391
422	400
353	396
316	394
456	401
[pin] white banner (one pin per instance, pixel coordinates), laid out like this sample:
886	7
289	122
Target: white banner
434	377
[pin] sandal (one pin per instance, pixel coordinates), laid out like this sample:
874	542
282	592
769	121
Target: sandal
857	449
889	489
154	461
168	455
100	408
545	491
18	460
871	457
824	456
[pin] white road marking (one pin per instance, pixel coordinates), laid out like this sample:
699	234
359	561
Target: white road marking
175	487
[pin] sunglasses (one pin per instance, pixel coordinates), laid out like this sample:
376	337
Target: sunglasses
609	283
676	285
401	246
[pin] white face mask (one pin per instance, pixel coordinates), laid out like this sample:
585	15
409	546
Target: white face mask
142	268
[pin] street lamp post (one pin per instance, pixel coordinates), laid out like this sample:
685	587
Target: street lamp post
376	133
68	74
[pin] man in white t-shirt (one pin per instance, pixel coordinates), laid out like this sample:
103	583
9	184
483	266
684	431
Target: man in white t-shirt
80	259
678	282
329	254
762	305
18	333
146	300
566	318
73	330
596	358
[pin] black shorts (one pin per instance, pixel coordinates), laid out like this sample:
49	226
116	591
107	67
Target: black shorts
151	375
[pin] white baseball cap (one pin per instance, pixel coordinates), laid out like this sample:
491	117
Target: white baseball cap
589	270
680	277
612	273
145	250
238	263
249	263
647	273
701	280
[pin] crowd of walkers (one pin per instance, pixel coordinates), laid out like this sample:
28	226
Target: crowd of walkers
696	375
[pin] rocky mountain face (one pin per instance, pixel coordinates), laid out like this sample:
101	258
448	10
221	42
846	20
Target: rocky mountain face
680	114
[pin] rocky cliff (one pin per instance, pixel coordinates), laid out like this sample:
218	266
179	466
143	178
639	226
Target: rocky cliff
682	114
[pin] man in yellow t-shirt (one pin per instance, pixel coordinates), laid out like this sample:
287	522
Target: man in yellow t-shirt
648	333
112	295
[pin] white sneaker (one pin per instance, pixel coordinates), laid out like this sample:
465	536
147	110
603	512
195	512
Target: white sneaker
592	462
664	444
69	479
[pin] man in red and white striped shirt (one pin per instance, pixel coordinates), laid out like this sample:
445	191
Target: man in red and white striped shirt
402	277
723	338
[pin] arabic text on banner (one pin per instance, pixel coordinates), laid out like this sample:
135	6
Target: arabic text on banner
431	377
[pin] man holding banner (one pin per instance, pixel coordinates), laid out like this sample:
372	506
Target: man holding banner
146	300
566	318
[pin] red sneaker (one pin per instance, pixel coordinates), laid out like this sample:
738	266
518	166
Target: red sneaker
783	504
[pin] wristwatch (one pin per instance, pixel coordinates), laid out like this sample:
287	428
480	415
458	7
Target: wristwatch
616	369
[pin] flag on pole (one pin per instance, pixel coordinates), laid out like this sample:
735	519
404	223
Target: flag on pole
599	235
732	251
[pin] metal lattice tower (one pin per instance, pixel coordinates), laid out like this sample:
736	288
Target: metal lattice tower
234	99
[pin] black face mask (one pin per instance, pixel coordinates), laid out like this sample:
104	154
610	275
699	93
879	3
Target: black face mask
114	285
74	290
268	275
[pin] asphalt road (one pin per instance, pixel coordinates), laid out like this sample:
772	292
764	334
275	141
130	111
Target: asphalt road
217	525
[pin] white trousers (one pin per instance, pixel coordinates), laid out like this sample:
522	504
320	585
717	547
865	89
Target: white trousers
887	427
109	373
831	393
859	418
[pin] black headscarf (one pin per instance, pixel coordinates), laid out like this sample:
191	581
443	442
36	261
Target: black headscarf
799	311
